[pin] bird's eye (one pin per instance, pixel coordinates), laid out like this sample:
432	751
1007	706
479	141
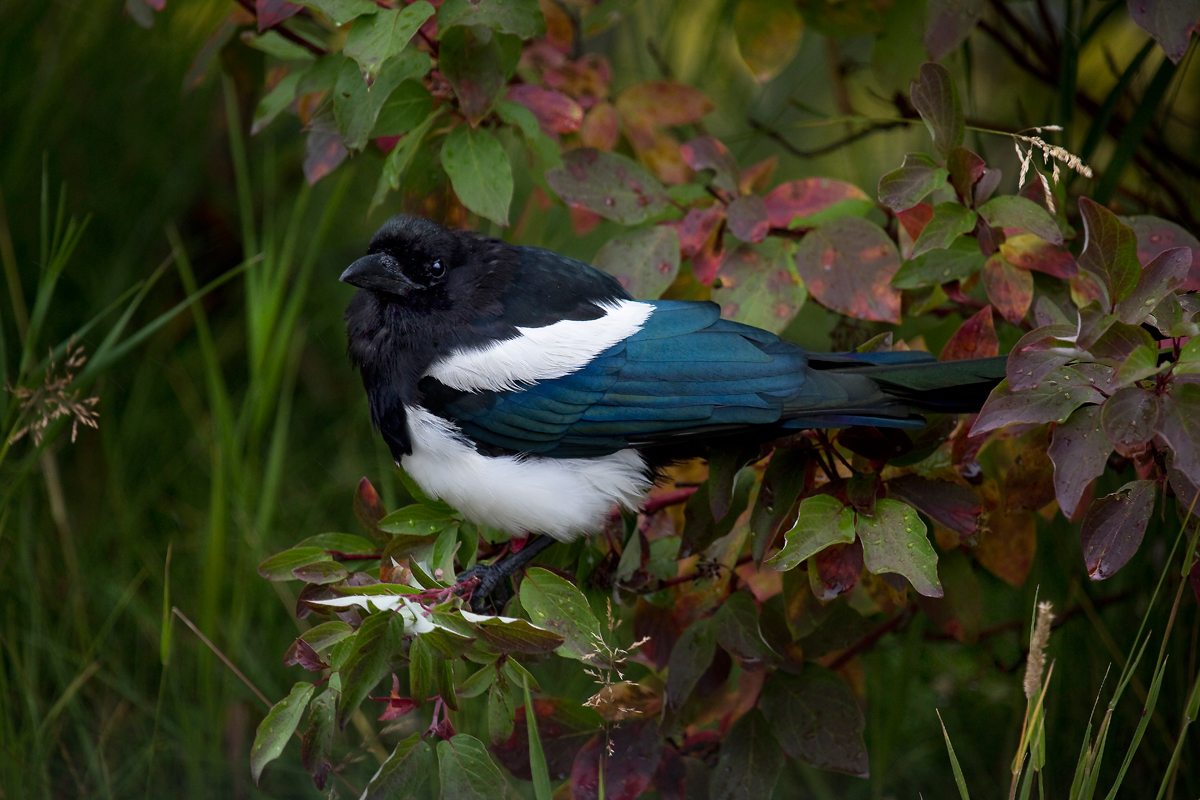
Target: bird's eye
436	270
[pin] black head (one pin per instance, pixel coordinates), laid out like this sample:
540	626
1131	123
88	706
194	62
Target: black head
408	255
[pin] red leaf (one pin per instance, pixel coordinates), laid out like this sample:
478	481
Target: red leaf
302	653
585	79
1170	22
1156	235
1027	251
555	112
807	196
947	503
601	129
368	508
706	262
975	338
1010	289
848	265
915	219
949	24
627	772
835	570
755	177
697	227
583	220
269	12
966	168
397	706
667	103
1080	453
709	153
748	219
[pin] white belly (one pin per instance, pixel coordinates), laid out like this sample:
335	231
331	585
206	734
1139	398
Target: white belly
562	497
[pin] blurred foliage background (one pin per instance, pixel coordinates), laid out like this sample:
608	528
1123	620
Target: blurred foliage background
234	426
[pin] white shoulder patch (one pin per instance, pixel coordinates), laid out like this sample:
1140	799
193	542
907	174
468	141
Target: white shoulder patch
540	354
562	497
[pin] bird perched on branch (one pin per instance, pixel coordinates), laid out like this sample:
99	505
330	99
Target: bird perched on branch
533	394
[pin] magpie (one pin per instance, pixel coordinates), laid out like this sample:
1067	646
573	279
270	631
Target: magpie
533	394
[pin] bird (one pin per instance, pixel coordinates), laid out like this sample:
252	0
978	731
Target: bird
534	395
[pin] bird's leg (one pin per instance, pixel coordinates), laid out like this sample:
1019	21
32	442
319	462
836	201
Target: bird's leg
491	576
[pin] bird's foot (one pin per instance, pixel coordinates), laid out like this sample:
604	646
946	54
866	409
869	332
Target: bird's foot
486	587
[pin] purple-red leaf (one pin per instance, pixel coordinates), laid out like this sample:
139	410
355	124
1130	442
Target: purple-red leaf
848	266
1129	419
1080	452
1052	400
323	153
635	749
747	218
948	23
708	152
1166	273
1179	424
609	184
563	726
697	227
269	12
946	503
816	719
1170	22
935	97
302	653
1037	354
903	188
555	112
966	168
835	570
1155	235
1109	250
1030	251
601	128
1114	526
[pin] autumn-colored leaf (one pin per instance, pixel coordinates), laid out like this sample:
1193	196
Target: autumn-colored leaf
475	63
807	197
697	227
966	168
848	265
555	112
1007	544
270	12
608	184
1155	235
563	727
835	570
1170	22
949	22
1010	289
668	103
644	261
935	97
915	219
1167	272
708	152
975	338
600	128
747	218
1129	419
949	221
1052	400
1029	251
323	153
628	766
1080	453
1109	251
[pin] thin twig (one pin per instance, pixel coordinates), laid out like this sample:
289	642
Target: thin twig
232	668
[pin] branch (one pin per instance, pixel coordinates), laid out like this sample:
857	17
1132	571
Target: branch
286	33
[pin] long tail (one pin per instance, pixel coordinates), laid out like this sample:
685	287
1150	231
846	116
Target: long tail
901	387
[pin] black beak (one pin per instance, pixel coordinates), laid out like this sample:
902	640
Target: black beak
378	272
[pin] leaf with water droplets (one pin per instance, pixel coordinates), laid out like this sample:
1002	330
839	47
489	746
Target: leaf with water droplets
1052	400
1113	528
1162	276
895	540
848	266
1129	419
946	503
556	604
823	521
1080	453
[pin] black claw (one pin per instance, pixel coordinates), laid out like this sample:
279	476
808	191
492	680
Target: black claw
492	591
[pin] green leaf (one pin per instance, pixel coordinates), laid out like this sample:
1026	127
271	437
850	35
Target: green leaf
340	11
645	261
1140	364
479	172
760	286
749	763
558	605
327	634
316	747
537	758
406	107
277	727
1053	400
477	683
816	719
378	640
823	521
544	148
950	220
519	17
903	188
936	267
501	709
781	485
276	101
417	520
690	658
515	635
273	44
420	670
935	97
895	540
700	529
613	186
376	38
279	566
477	62
320	572
768	34
404	772
398	162
1110	250
357	105
1014	211
738	631
342	543
466	770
